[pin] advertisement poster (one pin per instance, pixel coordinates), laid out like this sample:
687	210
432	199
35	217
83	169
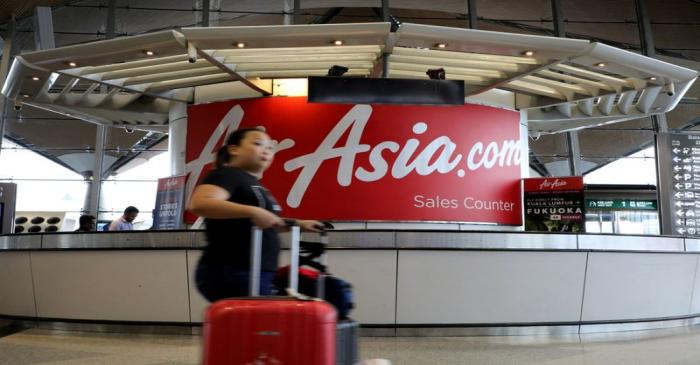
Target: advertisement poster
554	204
170	203
374	162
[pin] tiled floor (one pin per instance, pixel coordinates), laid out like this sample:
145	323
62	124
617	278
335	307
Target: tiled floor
674	346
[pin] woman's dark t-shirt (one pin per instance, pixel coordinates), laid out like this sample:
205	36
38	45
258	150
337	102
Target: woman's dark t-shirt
229	239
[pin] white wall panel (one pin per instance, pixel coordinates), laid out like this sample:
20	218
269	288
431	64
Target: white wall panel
372	274
489	287
373	278
628	242
638	285
112	285
16	293
695	304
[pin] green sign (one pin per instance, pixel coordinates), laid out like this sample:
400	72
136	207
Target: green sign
622	204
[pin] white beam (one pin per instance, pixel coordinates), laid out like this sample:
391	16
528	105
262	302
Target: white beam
416	52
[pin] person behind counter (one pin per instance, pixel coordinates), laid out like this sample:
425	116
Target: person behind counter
86	223
232	200
125	222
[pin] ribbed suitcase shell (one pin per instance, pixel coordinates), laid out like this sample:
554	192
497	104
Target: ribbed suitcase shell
269	330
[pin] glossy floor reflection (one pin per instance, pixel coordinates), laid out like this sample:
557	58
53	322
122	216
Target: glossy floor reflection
673	346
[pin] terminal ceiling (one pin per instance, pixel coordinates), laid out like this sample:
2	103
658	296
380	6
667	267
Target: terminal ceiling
560	85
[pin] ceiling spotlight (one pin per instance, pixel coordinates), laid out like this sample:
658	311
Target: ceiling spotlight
338	42
240	45
337	71
653	78
149	52
600	64
25	96
440	45
72	64
436	73
35	78
529	53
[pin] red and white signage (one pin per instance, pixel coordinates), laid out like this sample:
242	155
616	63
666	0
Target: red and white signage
374	162
553	183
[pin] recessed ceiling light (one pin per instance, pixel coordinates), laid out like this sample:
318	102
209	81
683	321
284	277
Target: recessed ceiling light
441	45
600	64
148	52
35	78
338	42
529	53
653	78
72	64
240	45
25	95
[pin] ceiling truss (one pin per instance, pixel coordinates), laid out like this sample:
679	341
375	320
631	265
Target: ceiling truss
568	83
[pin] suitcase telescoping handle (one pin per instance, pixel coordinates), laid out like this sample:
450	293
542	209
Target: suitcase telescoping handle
256	258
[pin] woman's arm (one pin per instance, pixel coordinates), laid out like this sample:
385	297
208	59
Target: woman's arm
211	201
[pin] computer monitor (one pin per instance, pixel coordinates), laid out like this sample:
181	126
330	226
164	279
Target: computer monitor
102	226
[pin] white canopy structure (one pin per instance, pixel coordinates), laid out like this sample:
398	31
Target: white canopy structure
563	84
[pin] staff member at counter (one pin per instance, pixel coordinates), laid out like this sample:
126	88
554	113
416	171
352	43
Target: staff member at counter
232	200
125	222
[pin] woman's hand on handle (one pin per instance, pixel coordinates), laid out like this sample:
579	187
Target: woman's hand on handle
265	219
310	225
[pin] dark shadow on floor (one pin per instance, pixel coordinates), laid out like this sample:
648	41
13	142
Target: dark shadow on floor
10	327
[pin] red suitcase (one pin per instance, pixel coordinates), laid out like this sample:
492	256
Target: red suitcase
269	330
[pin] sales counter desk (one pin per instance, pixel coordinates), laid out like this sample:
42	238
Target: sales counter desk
405	282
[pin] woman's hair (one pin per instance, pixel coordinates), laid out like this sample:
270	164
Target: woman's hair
234	139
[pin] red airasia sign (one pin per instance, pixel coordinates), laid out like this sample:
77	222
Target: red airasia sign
536	184
375	162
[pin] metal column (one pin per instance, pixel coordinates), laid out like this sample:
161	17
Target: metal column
111	18
663	191
574	148
94	177
558	19
96	183
385	56
291	11
4	69
43	28
572	141
177	137
471	8
205	13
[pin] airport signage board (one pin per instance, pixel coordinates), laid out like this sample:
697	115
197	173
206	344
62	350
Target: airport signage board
683	168
554	204
620	204
375	162
170	203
